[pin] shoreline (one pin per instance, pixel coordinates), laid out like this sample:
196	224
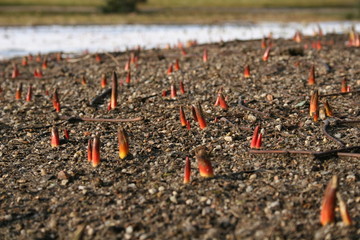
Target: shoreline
100	38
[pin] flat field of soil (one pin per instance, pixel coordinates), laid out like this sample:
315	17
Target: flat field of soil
55	193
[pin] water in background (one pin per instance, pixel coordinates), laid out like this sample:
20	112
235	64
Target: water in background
17	41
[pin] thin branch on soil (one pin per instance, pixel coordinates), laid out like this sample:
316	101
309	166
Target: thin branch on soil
339	93
318	155
342	154
143	99
328	136
233	125
86	119
335	152
40	127
75	60
99	98
113	58
265	115
281	151
348	122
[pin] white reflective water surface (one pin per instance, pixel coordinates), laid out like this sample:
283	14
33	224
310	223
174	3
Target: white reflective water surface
16	41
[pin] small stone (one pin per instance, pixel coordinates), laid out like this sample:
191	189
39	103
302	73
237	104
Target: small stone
161	188
97	182
173	199
90	230
212	233
249	189
278	127
62	175
143	236
269	97
274	204
203	199
64	182
52	223
152	190
251	118
189	202
228	138
337	135
8	217
252	176
43	172
351	178
129	229
308	122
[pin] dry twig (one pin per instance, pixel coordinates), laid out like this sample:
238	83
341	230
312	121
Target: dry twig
339	93
318	155
328	136
86	119
265	115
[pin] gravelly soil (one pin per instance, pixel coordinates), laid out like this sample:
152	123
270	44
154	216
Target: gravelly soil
252	196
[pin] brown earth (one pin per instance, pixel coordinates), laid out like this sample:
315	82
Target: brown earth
72	15
54	193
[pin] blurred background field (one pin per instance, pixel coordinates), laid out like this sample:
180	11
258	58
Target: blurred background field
44	12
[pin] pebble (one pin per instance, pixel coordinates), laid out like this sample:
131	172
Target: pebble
189	202
212	233
337	135
228	138
77	154
90	230
62	175
64	182
43	172
8	217
274	204
278	127
252	176
52	223
351	178
308	122
269	97
161	188
251	118
129	229
249	189
203	199
152	190
143	236
173	199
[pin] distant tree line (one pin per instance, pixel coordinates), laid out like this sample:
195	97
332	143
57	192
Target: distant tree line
121	6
